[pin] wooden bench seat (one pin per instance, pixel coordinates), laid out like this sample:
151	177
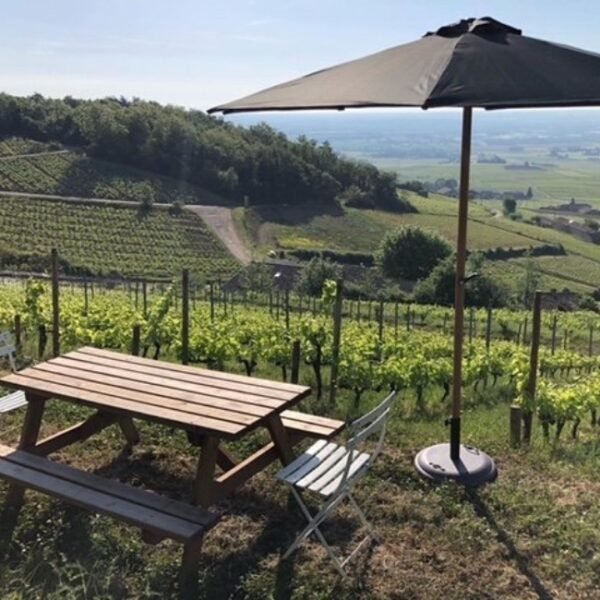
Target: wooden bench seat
157	516
311	425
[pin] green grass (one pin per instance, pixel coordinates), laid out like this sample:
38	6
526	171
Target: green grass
113	239
532	534
362	230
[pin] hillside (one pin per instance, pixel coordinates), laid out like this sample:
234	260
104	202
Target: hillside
258	165
105	239
73	173
351	230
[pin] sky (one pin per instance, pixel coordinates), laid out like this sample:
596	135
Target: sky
199	53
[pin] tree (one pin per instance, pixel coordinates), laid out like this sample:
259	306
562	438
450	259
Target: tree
314	275
411	252
509	205
529	194
481	291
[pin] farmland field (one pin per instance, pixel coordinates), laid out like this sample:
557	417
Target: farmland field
362	230
107	239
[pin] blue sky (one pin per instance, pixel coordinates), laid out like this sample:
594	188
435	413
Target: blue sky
198	53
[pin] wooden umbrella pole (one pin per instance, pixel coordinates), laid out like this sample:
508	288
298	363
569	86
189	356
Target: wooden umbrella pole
459	293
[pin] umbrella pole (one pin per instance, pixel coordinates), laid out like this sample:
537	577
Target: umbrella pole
454	461
459	286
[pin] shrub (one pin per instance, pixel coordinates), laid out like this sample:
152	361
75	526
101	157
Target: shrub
438	288
411	252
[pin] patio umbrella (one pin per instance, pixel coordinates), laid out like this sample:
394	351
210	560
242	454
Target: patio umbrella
473	63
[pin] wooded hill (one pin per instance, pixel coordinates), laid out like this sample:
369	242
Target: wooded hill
258	163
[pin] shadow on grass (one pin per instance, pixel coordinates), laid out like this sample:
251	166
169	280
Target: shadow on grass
483	511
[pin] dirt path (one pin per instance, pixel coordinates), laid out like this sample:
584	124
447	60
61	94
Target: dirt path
220	222
74	198
30	154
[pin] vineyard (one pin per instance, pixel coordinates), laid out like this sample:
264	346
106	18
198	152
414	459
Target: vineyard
74	174
391	346
15	146
106	239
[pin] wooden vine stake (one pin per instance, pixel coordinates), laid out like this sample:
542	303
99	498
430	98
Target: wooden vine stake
337	334
211	291
185	316
287	309
18	332
516	417
55	305
145	298
488	328
533	367
380	320
295	375
136	340
85	298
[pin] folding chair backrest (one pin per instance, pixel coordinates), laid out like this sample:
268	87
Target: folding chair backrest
363	428
7	349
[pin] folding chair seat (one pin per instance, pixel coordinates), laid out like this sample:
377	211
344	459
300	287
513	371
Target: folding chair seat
331	470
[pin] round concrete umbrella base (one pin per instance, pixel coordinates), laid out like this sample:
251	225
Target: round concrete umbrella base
473	468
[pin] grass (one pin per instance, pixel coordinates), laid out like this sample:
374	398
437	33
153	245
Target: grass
532	534
112	239
362	230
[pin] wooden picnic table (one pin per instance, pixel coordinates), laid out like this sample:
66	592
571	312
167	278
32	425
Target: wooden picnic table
215	406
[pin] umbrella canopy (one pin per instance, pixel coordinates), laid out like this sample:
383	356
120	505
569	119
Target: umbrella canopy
476	63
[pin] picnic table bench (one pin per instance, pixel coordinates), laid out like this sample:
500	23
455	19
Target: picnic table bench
157	516
214	407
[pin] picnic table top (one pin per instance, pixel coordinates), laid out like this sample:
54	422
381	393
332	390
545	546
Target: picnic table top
191	398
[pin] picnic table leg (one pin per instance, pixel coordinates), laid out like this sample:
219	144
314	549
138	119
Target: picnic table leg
205	475
280	439
188	574
129	430
29	436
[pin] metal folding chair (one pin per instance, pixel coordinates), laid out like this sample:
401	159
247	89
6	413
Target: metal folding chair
331	471
16	399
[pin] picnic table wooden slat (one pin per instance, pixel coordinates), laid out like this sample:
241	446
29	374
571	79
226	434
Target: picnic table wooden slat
162	385
217	386
123	406
140	392
228	377
47	478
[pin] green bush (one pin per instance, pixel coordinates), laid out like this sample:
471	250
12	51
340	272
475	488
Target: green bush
411	252
439	287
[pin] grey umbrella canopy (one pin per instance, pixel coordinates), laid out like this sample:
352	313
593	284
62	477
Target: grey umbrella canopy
476	63
473	63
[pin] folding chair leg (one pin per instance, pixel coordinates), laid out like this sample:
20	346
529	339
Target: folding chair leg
313	526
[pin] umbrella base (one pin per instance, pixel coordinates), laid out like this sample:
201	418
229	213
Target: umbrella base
472	469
